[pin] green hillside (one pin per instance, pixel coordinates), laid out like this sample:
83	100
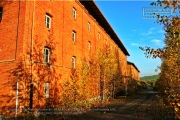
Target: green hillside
153	77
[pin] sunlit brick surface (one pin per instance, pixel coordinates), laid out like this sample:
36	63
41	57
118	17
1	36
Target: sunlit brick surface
23	32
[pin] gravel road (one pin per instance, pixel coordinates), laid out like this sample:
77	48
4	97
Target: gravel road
144	106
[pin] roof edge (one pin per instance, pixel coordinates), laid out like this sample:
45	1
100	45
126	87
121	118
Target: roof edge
131	63
97	14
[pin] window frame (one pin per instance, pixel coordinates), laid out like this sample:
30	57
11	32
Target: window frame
73	62
89	26
74	36
74	12
46	90
48	23
47	56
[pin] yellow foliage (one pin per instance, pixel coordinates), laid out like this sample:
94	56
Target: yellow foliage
169	81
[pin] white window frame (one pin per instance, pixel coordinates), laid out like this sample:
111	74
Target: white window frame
46	90
48	23
89	45
46	54
74	13
73	36
99	35
73	62
89	26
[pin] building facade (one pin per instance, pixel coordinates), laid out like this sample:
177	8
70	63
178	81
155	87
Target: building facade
133	71
44	42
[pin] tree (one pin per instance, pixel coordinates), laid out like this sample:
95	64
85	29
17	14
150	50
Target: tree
97	78
169	80
31	73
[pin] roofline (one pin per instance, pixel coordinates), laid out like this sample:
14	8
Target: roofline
96	13
133	65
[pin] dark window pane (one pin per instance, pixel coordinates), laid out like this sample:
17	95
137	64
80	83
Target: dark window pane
46	52
47	19
1	11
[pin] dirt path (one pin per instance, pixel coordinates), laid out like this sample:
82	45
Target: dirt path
140	107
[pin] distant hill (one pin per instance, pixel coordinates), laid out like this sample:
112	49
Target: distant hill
153	77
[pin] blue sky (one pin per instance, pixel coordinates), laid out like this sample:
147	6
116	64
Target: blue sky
126	19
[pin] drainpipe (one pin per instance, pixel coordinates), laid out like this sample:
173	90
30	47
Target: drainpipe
16	110
31	62
104	86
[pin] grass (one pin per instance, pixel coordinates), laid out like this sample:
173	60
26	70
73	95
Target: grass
153	77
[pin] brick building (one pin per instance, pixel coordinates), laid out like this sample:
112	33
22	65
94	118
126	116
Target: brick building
133	83
42	42
133	71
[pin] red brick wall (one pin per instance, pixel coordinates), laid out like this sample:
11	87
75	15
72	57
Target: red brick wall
132	72
32	36
11	49
11	36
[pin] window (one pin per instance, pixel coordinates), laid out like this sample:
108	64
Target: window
89	45
46	90
46	54
48	20
73	62
74	13
1	11
99	36
73	36
89	26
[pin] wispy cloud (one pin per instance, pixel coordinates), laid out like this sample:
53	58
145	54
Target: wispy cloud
152	28
157	42
161	31
149	32
135	44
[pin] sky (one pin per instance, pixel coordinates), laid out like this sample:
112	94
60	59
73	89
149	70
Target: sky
126	19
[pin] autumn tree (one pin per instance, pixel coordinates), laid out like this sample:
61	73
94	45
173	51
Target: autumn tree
97	80
169	80
31	73
107	61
